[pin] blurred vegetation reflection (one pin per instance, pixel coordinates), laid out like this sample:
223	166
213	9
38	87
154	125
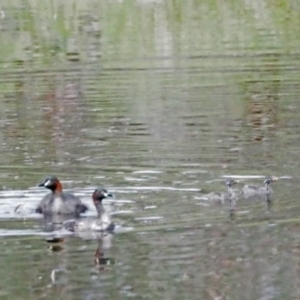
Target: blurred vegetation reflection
100	91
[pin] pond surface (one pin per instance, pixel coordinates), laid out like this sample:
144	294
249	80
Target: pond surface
158	101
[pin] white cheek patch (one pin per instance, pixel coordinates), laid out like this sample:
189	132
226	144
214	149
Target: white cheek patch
105	195
47	183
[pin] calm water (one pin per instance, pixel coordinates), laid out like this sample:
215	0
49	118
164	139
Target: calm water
159	101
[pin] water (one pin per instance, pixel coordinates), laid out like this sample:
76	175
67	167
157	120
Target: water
158	101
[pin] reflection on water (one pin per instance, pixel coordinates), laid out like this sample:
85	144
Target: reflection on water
159	101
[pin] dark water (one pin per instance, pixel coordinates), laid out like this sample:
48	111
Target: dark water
159	101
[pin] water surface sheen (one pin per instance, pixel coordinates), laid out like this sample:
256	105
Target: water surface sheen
158	101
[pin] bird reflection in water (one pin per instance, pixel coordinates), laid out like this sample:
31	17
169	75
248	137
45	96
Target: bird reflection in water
104	243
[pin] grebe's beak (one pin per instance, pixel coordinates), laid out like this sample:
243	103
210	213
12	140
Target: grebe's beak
46	183
275	178
107	195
